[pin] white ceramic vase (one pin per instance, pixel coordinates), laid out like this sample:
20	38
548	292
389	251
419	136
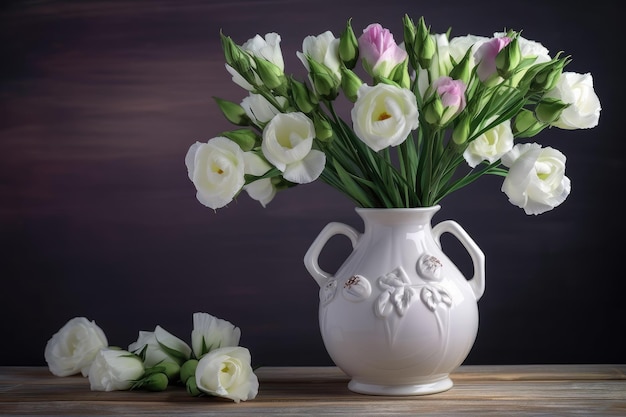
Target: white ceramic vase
398	316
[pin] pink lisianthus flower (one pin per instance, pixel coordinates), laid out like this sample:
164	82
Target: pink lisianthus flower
486	56
452	93
379	51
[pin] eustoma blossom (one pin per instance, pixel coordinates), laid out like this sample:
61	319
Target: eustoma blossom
379	51
576	90
451	96
536	180
226	372
217	170
73	348
288	145
486	55
384	115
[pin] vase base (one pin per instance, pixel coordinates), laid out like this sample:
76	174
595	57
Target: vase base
409	389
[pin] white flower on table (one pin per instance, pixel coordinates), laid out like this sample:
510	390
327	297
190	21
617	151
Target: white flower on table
160	346
536	179
114	370
210	332
73	348
226	372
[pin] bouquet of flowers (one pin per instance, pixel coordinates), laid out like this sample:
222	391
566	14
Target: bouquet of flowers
435	114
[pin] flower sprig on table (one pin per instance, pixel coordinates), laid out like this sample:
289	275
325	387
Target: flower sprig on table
214	364
436	113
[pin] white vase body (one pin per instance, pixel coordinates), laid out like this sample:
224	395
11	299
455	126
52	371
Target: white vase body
398	316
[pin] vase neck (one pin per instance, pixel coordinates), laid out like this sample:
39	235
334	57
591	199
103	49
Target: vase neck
397	216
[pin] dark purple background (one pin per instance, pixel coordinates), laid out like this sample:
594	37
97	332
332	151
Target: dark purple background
99	102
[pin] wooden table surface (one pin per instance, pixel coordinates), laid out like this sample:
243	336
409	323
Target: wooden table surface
511	390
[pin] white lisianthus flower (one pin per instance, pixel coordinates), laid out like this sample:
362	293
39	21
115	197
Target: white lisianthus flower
114	370
287	144
210	332
384	115
490	146
268	48
323	49
216	168
259	109
584	107
160	346
262	190
73	348
459	45
226	372
536	180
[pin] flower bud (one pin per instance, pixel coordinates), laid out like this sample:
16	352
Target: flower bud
233	112
543	77
546	79
350	83
270	74
549	110
171	370
526	125
348	46
236	57
325	82
400	74
323	129
155	382
409	39
434	110
461	131
302	96
425	45
233	54
188	370
463	69
508	59
192	387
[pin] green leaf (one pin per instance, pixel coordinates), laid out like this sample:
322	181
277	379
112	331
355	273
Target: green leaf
351	187
179	356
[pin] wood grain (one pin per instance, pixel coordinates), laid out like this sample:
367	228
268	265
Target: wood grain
510	390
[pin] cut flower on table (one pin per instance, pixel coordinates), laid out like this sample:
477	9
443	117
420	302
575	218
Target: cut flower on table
158	359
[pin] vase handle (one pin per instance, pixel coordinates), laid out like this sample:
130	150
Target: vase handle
312	255
477	283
